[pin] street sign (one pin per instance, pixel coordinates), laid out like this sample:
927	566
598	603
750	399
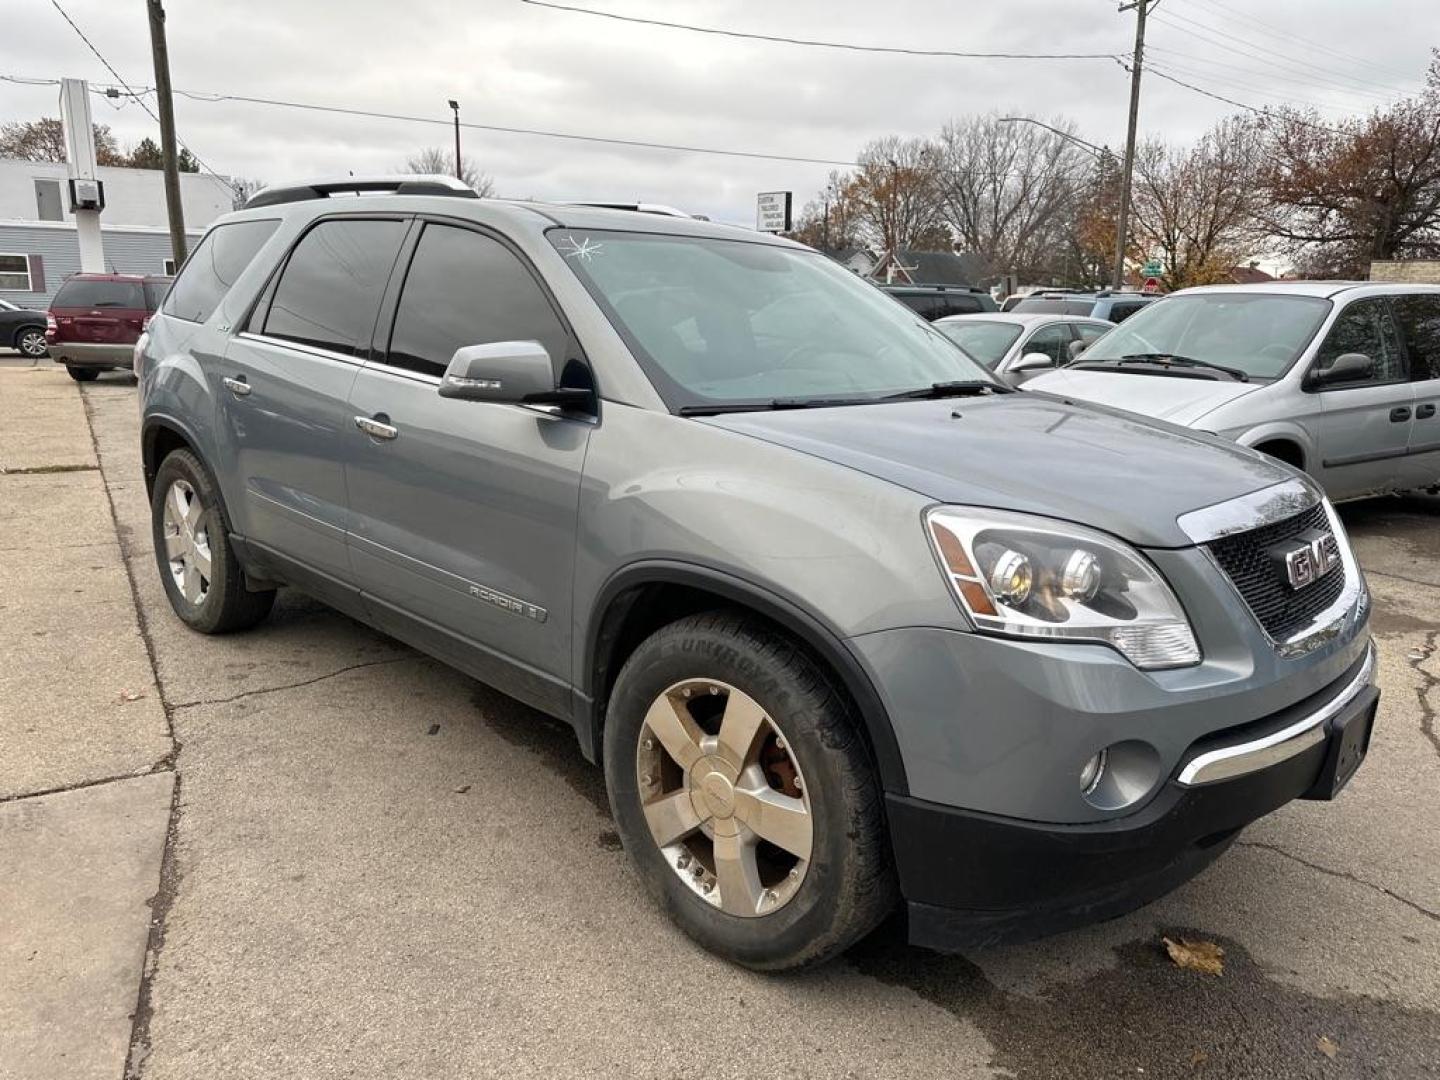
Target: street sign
1152	285
772	211
1152	269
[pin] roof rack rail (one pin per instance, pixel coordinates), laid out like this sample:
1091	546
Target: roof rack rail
411	184
638	207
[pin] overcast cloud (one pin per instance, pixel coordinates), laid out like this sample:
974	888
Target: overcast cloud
517	65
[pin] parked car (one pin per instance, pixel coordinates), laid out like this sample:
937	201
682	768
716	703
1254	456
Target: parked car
837	636
1340	379
22	330
95	320
1113	307
1018	347
937	301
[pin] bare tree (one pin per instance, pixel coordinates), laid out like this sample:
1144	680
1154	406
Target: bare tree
895	195
44	140
1342	195
830	221
1195	206
1010	189
432	159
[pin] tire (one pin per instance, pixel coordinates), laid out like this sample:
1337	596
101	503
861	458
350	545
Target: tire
218	603
82	374
786	912
30	342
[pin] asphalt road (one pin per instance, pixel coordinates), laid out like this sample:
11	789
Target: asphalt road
374	866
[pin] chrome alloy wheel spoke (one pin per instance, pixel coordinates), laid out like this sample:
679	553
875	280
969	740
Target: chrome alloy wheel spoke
187	541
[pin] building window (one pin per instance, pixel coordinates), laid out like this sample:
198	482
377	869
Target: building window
47	200
168	267
15	273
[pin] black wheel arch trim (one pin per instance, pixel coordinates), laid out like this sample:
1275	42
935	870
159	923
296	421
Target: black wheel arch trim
150	428
823	640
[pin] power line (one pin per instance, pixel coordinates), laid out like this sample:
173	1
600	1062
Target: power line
812	43
138	99
1270	113
1289	37
1185	69
1278	59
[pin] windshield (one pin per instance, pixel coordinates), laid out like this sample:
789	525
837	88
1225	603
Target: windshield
985	341
728	322
1259	333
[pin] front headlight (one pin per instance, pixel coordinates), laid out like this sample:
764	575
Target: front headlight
1031	577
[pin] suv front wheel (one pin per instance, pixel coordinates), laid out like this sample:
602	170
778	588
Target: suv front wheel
201	575
744	794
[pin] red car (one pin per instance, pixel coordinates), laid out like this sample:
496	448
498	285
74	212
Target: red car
95	320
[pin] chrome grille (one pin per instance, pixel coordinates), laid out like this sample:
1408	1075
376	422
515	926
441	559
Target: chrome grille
1247	561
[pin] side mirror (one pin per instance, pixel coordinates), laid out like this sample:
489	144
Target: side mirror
1033	361
507	373
1347	367
1076	348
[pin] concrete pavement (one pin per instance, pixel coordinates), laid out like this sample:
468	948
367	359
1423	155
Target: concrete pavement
379	867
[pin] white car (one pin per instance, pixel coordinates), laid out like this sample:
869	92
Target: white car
1019	346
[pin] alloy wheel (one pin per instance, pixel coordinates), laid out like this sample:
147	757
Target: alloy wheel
724	797
32	344
187	542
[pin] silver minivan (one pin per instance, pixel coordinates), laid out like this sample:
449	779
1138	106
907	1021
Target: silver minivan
1340	379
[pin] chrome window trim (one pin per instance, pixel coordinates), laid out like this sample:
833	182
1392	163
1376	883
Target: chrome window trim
1240	759
308	350
1252	511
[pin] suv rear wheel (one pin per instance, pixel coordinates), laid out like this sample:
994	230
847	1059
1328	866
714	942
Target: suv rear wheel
744	794
82	374
198	568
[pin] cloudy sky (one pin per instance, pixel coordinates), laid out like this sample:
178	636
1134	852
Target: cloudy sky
518	65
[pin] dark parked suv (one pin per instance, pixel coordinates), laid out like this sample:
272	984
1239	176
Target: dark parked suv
95	320
941	301
22	329
839	638
1113	307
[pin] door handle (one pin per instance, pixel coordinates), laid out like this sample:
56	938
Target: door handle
1400	414
238	387
376	427
1426	411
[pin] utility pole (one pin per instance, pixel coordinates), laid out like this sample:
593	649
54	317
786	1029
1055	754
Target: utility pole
455	108
1122	226
175	211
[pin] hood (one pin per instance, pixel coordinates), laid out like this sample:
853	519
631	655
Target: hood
1028	452
1166	397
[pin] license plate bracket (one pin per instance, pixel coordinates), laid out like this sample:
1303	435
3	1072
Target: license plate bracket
1347	745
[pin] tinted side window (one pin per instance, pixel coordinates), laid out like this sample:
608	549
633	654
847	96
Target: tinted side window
1365	327
99	294
467	289
1419	318
213	267
1120	312
959	305
329	292
1053	341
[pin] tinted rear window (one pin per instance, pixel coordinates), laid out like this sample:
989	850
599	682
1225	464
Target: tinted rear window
1054	307
213	267
99	294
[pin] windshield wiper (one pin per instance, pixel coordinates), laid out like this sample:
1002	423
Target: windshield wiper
1238	374
958	388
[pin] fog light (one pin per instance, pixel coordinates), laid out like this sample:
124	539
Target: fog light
1093	772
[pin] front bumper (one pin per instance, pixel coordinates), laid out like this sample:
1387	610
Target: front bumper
91	354
972	879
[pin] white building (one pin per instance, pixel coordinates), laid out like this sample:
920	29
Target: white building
38	245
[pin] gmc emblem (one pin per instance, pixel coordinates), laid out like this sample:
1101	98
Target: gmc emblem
1310	558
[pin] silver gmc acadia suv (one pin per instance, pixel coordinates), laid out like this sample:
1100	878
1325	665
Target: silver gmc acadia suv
848	622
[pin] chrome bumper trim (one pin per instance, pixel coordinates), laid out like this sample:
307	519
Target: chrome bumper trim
1248	757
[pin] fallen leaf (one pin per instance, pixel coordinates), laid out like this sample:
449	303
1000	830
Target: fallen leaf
1327	1046
131	695
1198	1058
1196	955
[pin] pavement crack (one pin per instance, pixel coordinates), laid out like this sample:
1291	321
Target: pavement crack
1422	692
41	470
162	765
1401	577
295	685
1344	875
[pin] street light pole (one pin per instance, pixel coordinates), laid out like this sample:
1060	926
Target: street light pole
1122	225
1098	151
455	108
